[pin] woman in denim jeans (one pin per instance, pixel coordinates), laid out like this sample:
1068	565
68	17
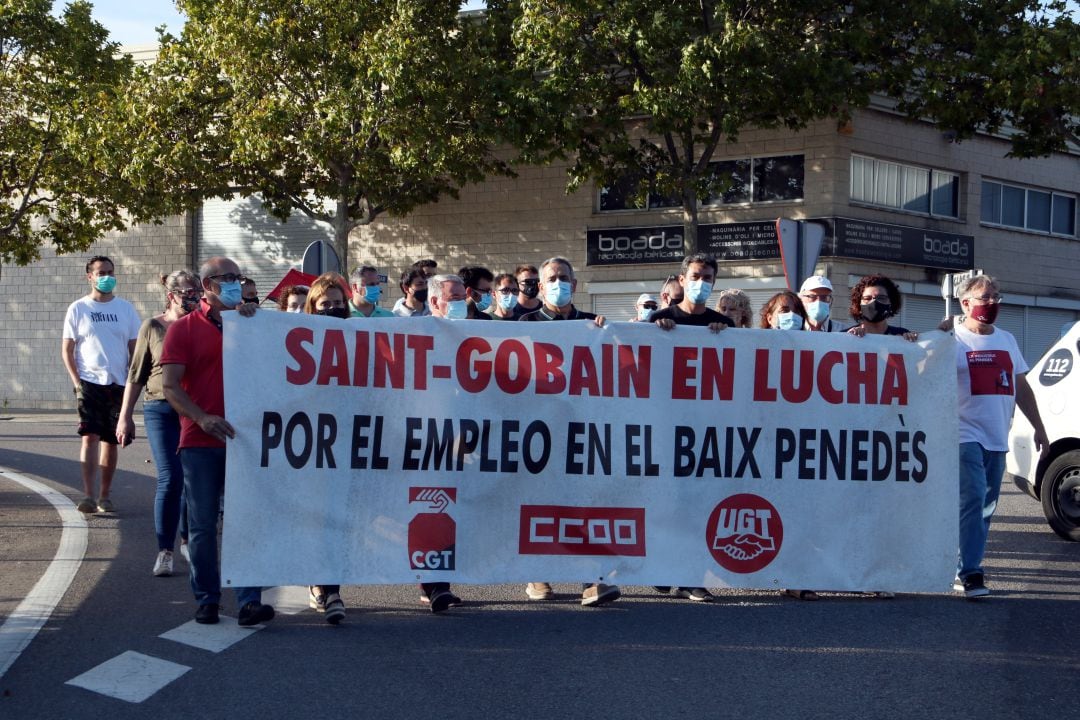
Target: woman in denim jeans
183	289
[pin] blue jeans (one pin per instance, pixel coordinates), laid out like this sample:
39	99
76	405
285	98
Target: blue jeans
163	431
980	485
204	484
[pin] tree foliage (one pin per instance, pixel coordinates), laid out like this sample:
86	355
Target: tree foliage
341	111
54	74
649	90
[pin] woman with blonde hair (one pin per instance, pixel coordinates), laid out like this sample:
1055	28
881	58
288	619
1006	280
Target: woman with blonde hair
736	305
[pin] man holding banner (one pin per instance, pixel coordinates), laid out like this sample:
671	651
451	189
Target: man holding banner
193	382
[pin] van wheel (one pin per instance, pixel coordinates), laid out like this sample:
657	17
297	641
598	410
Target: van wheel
1060	493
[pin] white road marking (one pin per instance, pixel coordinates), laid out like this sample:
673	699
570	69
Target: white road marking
287	599
32	613
214	638
129	676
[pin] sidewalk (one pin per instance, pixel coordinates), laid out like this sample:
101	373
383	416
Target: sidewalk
9	415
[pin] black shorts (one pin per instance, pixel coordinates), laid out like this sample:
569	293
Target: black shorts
99	410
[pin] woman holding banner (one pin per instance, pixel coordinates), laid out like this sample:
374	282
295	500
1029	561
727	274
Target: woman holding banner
327	297
874	300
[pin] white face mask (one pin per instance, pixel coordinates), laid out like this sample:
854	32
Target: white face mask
295	310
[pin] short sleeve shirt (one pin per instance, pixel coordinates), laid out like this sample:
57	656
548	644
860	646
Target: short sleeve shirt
101	331
986	370
194	341
681	317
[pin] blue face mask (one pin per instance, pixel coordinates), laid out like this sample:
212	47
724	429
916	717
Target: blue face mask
788	321
230	294
105	284
558	293
818	312
457	309
372	293
507	302
484	302
644	313
698	291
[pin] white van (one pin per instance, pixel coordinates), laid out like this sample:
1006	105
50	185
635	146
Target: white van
1053	478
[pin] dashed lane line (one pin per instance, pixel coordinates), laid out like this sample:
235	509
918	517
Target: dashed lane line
30	616
129	676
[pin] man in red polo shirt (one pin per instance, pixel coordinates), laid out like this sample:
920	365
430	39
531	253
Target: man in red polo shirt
192	378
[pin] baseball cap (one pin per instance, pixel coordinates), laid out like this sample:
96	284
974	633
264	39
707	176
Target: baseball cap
644	298
816	282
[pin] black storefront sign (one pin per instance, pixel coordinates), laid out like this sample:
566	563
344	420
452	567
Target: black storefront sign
635	246
865	240
739	241
748	241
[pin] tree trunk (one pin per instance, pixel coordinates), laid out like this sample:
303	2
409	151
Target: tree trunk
342	228
690	222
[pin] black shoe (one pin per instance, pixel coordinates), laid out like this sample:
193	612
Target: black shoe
442	599
207	614
694	594
974	586
254	613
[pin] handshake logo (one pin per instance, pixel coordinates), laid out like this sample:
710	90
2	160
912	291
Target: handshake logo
432	532
744	533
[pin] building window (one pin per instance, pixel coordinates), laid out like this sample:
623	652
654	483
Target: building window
1031	209
623	195
909	188
734	182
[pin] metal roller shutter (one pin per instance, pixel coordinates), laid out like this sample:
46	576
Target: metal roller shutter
263	246
919	313
1043	330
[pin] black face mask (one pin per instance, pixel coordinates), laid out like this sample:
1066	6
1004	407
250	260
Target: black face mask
530	288
252	300
876	311
421	295
676	300
340	313
189	304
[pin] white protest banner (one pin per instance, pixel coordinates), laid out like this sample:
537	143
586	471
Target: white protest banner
399	450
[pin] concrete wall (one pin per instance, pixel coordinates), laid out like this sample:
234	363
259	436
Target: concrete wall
34	299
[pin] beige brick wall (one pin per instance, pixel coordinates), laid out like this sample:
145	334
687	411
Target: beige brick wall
35	299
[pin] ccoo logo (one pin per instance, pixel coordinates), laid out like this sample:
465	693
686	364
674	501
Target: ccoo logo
432	532
744	533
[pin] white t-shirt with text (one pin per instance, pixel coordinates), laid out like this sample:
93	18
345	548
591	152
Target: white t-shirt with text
986	370
101	331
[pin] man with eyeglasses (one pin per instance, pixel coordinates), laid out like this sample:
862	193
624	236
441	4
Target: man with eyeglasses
100	330
671	292
506	297
644	307
816	294
991	382
192	378
477	290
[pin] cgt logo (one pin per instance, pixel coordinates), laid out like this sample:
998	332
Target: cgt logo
562	530
432	533
744	533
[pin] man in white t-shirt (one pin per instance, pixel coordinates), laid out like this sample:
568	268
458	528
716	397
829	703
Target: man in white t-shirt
99	336
990	374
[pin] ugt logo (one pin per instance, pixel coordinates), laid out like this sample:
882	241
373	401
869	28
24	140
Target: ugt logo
744	533
432	533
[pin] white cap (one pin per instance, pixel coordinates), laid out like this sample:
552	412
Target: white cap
644	298
816	282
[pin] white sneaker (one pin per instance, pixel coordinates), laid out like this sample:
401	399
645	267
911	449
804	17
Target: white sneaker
163	566
184	552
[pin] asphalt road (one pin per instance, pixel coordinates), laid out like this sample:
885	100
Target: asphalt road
750	655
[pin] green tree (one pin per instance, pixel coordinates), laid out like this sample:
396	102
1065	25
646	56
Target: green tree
1007	65
54	74
340	111
647	90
